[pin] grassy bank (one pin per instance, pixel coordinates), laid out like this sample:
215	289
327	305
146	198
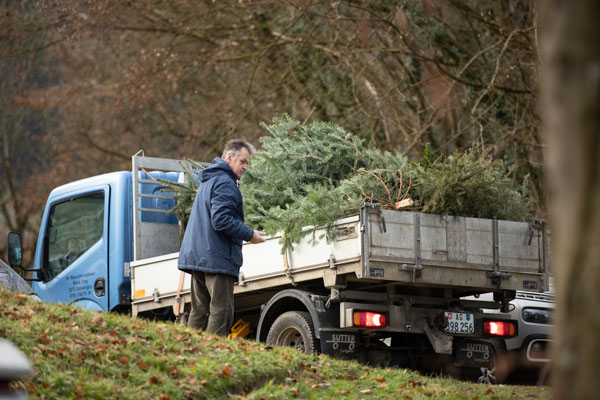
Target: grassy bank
89	355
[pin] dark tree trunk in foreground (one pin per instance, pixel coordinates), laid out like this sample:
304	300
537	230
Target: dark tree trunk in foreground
570	43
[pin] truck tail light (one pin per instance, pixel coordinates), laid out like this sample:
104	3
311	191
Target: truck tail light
369	319
499	328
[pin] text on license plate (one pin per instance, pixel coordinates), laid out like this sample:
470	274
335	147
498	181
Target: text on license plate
460	323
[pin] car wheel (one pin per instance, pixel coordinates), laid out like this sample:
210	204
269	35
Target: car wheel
499	367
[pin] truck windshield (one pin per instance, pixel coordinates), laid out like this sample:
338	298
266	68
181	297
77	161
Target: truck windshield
74	227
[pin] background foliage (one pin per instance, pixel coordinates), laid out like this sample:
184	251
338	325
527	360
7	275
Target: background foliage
86	84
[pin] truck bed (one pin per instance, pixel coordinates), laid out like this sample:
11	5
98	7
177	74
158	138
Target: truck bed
459	255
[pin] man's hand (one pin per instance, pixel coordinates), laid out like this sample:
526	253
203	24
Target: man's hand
258	237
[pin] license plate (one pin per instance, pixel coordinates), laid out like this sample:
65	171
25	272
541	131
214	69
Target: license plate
461	323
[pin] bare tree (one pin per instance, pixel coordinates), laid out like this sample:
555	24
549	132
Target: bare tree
24	122
177	78
571	100
402	74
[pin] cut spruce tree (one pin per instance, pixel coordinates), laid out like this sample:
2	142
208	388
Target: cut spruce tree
307	176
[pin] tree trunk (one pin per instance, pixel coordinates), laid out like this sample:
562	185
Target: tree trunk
570	53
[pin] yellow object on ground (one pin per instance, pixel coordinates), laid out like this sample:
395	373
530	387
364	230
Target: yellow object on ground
240	329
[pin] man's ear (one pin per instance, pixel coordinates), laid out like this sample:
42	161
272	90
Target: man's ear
228	156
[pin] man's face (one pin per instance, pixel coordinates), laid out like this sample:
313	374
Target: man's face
239	164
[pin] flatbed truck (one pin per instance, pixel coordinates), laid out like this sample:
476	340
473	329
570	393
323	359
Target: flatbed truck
388	290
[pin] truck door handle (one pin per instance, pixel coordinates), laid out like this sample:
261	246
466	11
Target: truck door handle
99	287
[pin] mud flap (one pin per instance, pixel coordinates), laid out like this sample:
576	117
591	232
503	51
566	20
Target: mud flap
339	344
473	353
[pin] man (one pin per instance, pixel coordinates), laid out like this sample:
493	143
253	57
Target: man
211	249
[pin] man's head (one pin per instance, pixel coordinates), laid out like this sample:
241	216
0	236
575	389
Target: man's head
237	154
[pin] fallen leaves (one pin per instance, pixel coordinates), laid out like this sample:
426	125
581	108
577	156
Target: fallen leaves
121	355
21	298
142	365
224	346
43	339
414	383
98	321
227	371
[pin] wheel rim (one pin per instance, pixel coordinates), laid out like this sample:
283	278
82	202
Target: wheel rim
291	337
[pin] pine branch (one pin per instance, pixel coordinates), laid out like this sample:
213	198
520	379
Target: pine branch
289	189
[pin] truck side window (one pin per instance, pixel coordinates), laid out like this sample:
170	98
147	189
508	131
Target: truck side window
73	227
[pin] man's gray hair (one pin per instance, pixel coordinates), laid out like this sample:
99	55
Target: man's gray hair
234	146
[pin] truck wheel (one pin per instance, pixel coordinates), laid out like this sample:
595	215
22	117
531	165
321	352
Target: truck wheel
293	329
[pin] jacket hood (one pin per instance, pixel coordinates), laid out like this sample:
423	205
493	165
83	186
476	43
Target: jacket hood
217	167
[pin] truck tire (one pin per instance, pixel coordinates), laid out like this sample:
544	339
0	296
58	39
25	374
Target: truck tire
293	329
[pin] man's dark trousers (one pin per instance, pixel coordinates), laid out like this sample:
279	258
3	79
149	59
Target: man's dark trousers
212	302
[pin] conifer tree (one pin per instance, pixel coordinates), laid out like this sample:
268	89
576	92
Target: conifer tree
469	184
307	176
310	175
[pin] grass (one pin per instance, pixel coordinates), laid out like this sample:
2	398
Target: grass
80	354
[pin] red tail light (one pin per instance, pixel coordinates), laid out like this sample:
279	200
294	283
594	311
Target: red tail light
499	328
369	319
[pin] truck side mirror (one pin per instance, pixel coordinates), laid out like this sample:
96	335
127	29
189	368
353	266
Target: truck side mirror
15	249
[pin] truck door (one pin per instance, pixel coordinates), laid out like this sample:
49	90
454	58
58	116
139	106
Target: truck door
74	252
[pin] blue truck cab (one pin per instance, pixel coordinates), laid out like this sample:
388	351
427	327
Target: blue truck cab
86	238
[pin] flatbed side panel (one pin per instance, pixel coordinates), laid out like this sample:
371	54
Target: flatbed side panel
267	259
434	237
425	249
392	238
154	277
404	247
519	246
155	280
480	241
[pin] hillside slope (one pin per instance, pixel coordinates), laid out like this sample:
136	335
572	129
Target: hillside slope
90	355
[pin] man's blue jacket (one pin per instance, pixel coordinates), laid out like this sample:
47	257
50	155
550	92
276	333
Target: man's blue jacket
213	237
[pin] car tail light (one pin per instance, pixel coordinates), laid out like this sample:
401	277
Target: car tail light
369	319
499	328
